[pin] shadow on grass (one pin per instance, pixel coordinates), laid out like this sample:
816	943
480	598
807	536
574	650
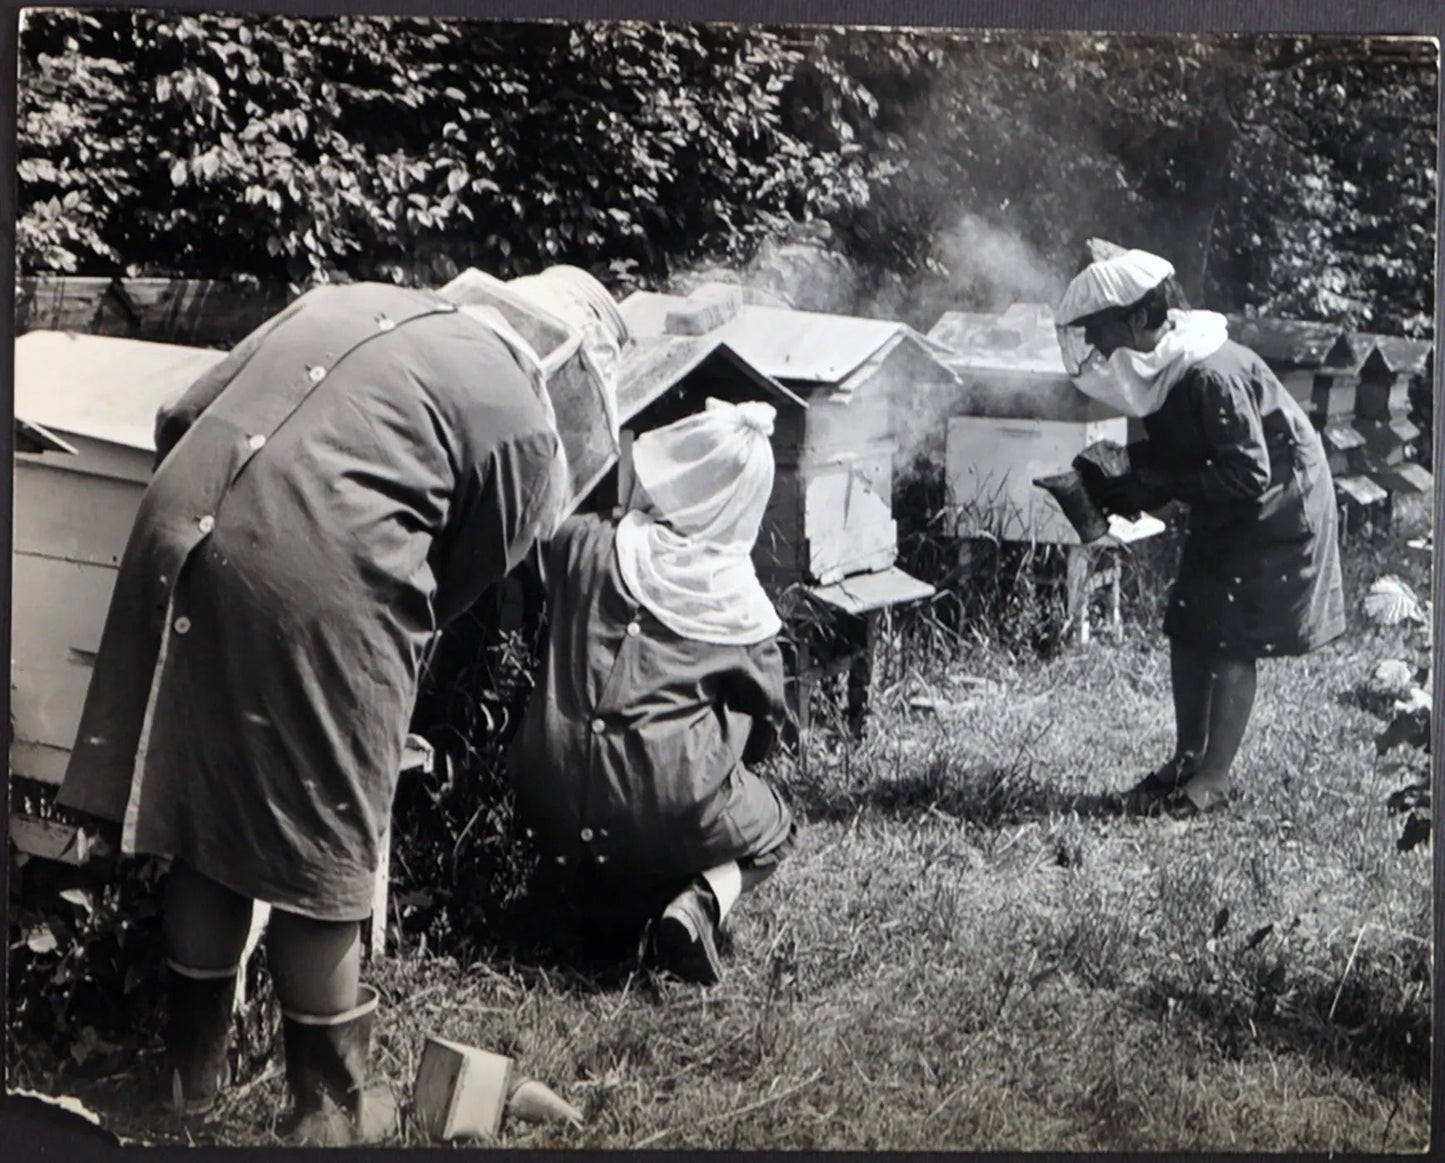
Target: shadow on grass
585	935
1365	1031
995	797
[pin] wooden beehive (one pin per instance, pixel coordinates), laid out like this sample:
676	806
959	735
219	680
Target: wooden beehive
1344	449
73	514
1387	442
1304	355
1015	416
1392	368
835	381
1383	392
992	463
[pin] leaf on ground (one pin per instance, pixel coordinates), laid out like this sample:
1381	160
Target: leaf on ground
1390	601
41	940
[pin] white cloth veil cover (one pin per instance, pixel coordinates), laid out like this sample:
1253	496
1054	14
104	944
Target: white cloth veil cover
584	305
1130	381
687	558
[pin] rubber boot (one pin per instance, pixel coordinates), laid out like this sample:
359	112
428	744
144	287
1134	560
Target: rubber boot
326	1074
198	1035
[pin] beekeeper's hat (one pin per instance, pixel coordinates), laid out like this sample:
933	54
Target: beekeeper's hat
1112	282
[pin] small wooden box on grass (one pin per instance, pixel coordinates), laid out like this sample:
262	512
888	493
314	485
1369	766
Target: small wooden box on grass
461	1091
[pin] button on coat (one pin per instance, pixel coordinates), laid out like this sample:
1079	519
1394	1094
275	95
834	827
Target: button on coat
326	498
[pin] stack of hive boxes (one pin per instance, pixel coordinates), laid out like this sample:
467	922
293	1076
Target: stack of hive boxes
1382	412
1320	366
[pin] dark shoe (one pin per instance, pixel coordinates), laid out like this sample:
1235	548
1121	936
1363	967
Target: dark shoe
1143	799
198	1036
1202	797
687	937
1179	804
326	1074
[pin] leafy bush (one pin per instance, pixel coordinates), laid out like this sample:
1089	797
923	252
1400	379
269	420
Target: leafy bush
291	149
85	968
1291	176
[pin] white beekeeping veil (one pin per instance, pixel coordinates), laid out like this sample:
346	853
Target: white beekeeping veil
1130	381
687	556
1120	281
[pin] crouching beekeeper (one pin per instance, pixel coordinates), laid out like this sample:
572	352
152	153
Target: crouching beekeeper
662	682
1259	574
347	481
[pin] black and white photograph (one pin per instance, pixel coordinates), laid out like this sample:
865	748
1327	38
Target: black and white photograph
630	584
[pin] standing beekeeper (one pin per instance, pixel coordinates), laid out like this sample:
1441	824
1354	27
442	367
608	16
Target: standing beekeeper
662	682
1259	574
345	483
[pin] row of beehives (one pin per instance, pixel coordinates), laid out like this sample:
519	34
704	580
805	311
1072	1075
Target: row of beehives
858	401
1363	391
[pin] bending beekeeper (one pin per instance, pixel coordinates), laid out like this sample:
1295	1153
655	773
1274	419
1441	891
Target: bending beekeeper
1259	574
345	483
662	683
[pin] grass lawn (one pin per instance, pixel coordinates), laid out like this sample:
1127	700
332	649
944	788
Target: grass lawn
969	951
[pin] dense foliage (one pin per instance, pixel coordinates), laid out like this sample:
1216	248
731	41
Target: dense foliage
1291	176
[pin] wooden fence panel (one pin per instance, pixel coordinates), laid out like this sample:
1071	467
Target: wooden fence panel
194	312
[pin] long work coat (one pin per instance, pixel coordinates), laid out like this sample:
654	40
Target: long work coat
631	756
1259	575
348	480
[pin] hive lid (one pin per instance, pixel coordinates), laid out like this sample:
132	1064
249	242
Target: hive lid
1294	342
1022	339
653	364
101	386
1401	355
1405	478
807	347
1362	490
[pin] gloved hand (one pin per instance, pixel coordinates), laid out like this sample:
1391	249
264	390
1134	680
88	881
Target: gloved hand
1109	476
1126	496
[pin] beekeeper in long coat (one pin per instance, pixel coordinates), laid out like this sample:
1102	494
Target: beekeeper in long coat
662	683
1259	574
345	483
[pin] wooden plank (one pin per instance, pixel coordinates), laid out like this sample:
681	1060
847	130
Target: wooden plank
847	525
200	312
70	515
39	761
380	898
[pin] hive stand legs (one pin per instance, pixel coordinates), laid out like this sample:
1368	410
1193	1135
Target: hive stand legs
1082	576
849	653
